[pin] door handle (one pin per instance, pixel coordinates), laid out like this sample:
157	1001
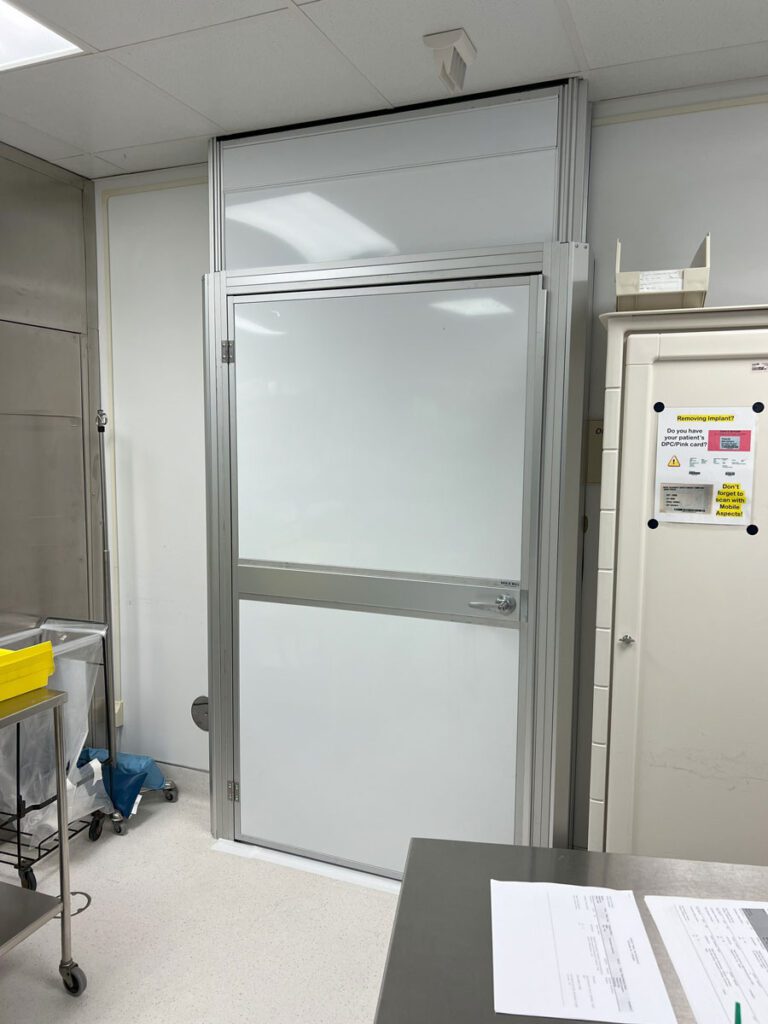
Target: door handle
504	603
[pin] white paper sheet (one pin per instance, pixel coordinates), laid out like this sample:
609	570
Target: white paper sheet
705	465
719	949
574	952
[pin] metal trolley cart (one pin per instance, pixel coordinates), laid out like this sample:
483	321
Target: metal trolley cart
28	830
80	650
23	911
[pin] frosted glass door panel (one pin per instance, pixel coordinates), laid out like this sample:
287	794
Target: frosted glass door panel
476	203
437	135
359	731
384	430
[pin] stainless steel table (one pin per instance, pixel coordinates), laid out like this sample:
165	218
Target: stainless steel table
23	911
439	968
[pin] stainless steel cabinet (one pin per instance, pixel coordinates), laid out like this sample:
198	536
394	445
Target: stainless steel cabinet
49	541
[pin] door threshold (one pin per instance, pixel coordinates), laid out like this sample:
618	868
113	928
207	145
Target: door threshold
313	867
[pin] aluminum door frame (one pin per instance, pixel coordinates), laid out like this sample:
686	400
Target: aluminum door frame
545	721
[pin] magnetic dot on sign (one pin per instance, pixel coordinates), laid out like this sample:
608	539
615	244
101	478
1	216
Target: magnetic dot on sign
758	407
752	530
658	407
653	523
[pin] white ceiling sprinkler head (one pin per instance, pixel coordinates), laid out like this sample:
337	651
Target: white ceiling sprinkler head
454	52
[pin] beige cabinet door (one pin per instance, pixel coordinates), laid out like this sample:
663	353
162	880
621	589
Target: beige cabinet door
688	757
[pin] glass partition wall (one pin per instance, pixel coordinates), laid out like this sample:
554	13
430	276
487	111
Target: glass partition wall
394	372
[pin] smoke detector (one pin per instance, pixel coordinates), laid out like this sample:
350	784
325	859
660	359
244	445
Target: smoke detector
454	52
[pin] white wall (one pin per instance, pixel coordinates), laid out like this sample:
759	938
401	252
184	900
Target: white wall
665	170
661	183
153	238
657	182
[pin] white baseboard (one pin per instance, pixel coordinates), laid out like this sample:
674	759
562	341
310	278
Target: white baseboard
315	867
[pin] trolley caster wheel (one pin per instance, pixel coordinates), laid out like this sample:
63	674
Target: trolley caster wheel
95	829
171	792
28	880
75	981
119	828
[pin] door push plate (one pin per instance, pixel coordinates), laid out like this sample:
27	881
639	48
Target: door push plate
498	602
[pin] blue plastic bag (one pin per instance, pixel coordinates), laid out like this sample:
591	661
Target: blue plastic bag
125	780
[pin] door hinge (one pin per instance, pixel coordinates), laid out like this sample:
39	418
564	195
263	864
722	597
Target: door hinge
233	791
227	351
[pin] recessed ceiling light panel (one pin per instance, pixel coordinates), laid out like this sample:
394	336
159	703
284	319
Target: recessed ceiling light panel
23	40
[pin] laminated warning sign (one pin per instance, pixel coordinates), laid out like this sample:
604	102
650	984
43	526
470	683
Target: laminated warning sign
705	465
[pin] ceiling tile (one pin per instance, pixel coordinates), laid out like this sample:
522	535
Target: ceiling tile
679	72
271	70
159	154
89	166
95	104
517	41
108	23
22	136
620	31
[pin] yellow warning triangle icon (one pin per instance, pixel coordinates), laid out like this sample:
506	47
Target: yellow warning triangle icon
674	462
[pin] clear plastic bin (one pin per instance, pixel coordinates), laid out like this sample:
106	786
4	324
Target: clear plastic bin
78	650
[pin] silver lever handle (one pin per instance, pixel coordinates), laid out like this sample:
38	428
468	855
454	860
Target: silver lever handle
504	603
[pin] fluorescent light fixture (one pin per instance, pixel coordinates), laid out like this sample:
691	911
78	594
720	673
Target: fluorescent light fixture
483	305
23	40
316	228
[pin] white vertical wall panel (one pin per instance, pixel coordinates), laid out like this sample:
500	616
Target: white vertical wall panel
440	181
158	252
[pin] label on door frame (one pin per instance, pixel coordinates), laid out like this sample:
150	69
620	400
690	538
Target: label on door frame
705	465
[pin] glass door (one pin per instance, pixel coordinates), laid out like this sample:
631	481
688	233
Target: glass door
385	450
